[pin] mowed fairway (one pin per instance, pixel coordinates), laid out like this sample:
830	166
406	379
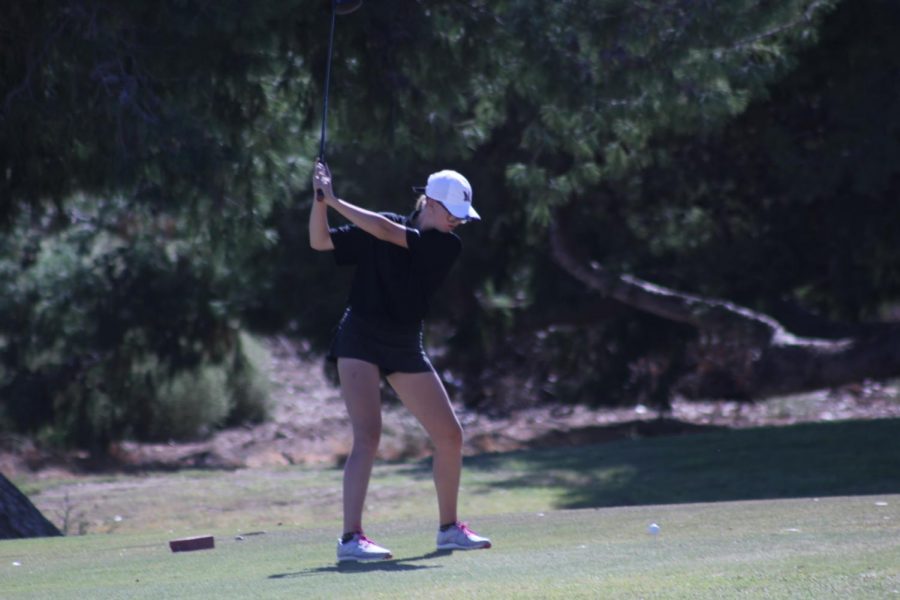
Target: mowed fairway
815	541
826	548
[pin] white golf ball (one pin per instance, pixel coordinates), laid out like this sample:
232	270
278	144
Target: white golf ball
653	529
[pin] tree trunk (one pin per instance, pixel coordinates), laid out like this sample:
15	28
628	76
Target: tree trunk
751	354
19	518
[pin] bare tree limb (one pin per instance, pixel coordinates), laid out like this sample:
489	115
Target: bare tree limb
769	359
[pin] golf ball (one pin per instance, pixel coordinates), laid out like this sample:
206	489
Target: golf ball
653	529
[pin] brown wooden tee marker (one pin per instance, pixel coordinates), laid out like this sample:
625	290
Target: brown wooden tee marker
201	542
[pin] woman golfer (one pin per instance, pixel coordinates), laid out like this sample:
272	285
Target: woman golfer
400	262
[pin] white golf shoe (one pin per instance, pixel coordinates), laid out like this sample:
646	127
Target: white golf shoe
360	548
460	537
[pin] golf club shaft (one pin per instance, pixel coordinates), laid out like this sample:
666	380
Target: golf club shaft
327	81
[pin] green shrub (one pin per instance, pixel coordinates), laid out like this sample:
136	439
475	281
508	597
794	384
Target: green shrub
248	383
121	327
189	403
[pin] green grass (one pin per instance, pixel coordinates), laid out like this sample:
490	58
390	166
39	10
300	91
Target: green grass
829	459
830	548
809	511
823	459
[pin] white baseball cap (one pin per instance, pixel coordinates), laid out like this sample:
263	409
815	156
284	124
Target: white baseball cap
453	191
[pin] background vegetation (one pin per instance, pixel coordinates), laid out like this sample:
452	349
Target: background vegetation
154	163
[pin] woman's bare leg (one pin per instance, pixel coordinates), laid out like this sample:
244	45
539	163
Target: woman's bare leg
425	397
360	382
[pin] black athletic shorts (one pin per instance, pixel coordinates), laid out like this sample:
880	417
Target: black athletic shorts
393	349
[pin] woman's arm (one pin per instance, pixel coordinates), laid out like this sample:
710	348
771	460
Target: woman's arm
370	222
319	238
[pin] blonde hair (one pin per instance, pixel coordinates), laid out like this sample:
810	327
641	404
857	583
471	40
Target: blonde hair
420	203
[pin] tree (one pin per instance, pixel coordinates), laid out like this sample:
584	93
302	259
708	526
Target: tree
744	353
172	104
141	147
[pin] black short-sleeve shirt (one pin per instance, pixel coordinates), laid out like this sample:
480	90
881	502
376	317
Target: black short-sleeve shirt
392	285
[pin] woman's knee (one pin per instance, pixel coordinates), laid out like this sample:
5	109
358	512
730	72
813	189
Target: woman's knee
366	439
449	438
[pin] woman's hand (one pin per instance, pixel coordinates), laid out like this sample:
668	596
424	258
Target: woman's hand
322	182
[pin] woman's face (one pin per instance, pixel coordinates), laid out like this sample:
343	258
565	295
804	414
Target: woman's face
441	219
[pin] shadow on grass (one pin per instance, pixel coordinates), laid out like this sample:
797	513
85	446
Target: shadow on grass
821	459
400	564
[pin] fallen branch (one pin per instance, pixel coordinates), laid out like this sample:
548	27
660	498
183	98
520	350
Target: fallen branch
772	360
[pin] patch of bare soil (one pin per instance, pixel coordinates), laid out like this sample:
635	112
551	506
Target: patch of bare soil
309	426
